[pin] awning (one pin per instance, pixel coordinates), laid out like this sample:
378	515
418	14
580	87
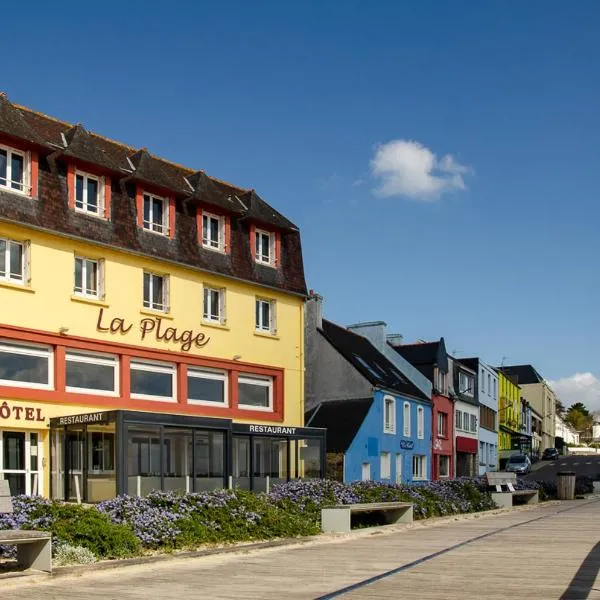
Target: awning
465	444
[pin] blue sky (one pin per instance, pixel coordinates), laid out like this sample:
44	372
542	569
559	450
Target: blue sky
494	246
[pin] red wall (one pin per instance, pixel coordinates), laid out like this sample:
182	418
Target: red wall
443	445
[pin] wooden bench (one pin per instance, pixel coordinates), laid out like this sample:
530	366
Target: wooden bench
338	518
506	498
34	548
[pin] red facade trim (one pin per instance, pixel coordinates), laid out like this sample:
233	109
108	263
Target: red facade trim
34	165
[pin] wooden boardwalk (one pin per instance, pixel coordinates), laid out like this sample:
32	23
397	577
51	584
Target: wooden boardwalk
551	551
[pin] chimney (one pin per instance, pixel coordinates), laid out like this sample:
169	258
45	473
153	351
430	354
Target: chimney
395	339
314	310
374	331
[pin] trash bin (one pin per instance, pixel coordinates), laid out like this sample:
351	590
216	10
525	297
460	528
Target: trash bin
565	485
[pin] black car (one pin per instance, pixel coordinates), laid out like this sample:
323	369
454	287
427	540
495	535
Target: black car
550	454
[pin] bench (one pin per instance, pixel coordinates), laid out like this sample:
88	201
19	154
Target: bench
506	499
34	548
337	519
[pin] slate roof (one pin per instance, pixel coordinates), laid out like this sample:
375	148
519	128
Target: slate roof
126	165
342	419
419	354
366	359
523	374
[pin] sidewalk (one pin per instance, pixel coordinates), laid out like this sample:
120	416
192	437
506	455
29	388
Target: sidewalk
533	553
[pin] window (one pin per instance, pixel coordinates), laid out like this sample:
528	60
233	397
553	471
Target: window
489	388
265	247
441	382
207	387
487	418
89	277
14	170
214	305
444	465
495	384
420	422
153	381
389	415
442	424
94	373
255	392
482	458
483	380
419	467
265	316
458	423
465	384
24	365
406	419
385	460
156	292
102	451
89	193
473	424
213	232
365	471
156	214
13	261
398	468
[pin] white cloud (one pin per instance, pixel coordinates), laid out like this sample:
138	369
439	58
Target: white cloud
407	168
581	387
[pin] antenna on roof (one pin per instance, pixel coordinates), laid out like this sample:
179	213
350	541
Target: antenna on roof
503	359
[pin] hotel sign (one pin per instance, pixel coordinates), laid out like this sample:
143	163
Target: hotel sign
153	327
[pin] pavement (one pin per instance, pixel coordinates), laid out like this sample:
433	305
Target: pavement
546	470
549	551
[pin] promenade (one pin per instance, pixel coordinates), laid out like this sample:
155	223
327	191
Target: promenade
547	552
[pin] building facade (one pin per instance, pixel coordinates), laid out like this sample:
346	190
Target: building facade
378	421
486	390
536	434
566	433
132	284
509	411
466	419
431	359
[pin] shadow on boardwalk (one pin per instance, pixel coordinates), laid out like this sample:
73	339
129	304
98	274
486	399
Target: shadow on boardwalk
583	581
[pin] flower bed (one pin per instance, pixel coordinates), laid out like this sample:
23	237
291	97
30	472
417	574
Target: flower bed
166	521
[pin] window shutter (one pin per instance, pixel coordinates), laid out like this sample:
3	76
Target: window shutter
272	249
101	292
166	293
27	262
273	316
223	306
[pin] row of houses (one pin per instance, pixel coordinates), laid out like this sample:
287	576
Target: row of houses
156	332
407	412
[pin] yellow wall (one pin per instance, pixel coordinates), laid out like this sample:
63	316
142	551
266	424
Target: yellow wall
509	409
48	305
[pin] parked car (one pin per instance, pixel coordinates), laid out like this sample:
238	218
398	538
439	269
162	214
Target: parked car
519	464
550	454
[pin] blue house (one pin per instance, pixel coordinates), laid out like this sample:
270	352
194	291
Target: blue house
378	421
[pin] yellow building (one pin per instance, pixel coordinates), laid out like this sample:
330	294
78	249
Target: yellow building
509	414
151	325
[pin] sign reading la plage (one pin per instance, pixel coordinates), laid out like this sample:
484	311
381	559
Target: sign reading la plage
153	327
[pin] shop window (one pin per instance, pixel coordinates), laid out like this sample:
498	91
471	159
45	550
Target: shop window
156	214
14	170
153	381
207	387
385	465
156	292
102	451
214	305
13	260
25	365
419	467
89	277
444	465
92	373
265	316
255	392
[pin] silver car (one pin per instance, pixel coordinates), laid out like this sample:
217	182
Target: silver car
519	464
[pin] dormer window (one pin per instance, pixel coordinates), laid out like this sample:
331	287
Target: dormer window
14	170
213	232
265	247
156	214
89	193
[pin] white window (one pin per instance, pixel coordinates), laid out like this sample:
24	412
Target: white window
255	392
442	424
419	467
482	457
398	468
89	277
14	261
92	373
385	460
465	384
365	471
406	419
265	247
420	422
458	419
153	381
483	381
213	232
156	292
265	316
441	382
156	214
444	463
26	365
473	423
207	387
489	388
14	170
214	305
389	415
89	193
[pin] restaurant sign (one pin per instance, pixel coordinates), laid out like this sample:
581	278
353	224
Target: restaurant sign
85	419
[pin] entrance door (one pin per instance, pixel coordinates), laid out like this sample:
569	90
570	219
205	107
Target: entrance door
20	462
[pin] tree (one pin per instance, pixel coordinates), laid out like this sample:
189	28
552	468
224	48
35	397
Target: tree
579	417
560	408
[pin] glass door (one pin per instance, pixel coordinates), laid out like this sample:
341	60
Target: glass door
13	461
